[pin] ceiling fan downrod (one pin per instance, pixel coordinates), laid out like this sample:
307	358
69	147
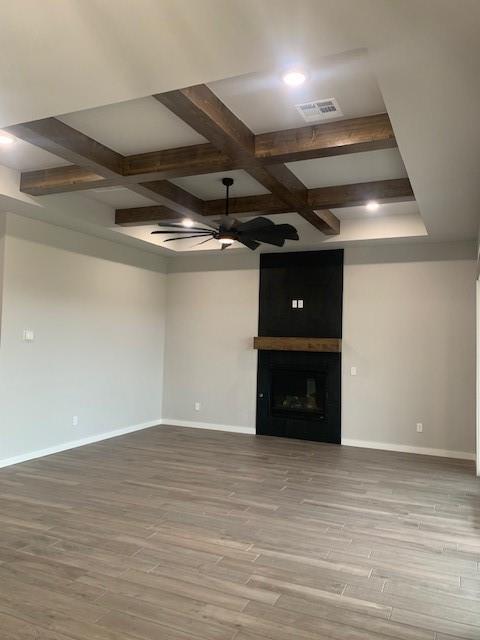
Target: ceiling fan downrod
227	182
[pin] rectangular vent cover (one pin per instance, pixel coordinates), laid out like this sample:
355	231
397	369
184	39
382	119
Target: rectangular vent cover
319	110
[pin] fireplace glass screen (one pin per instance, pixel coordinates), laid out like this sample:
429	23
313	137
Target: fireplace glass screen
301	392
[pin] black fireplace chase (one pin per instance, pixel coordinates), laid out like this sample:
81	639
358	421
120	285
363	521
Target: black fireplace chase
298	392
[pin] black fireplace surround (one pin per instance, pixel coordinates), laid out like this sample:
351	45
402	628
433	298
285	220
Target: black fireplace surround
298	392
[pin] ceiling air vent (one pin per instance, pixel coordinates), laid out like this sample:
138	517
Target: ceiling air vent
319	110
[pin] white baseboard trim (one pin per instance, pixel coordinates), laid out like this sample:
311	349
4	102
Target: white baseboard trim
73	444
424	451
348	442
173	422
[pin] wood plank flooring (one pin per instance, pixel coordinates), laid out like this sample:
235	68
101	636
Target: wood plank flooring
176	534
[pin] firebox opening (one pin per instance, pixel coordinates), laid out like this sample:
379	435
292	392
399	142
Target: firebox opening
298	392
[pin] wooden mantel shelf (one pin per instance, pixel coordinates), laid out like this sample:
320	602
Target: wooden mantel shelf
265	343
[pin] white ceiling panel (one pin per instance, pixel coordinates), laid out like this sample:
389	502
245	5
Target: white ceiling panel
119	198
136	126
177	246
210	187
367	166
23	156
265	103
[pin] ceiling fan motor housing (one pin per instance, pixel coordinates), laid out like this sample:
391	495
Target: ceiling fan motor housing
225	234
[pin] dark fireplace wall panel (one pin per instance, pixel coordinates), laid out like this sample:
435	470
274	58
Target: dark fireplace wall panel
316	277
311	408
272	423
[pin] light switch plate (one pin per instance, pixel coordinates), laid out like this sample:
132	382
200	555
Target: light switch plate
353	371
294	304
300	304
28	335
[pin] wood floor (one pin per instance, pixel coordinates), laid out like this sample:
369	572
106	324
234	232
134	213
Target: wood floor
176	534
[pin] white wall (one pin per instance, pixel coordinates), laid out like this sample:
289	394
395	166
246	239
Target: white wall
3	224
409	327
211	320
100	312
477	439
97	309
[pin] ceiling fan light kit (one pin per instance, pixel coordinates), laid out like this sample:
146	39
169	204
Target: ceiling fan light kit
229	230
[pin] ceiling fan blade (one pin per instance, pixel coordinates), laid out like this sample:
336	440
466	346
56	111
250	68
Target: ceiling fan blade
203	242
172	225
200	231
287	231
276	234
184	237
255	223
251	244
268	238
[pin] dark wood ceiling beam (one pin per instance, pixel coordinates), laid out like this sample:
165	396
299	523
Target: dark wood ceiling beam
108	166
351	195
177	163
285	186
62	180
322	219
335	197
58	138
328	139
200	108
248	205
156	165
171	196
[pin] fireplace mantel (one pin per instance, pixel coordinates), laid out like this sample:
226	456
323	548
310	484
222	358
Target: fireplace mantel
265	343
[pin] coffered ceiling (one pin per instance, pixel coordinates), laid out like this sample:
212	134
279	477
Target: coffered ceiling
372	56
157	159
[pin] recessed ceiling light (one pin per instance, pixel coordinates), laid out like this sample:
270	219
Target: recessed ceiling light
187	222
6	139
372	205
294	78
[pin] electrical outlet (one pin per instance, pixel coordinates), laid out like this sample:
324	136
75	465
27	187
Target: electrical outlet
419	427
353	371
197	406
75	421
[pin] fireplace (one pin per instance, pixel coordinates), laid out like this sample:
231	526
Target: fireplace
299	395
299	345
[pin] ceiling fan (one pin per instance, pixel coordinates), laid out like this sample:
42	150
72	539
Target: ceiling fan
251	233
